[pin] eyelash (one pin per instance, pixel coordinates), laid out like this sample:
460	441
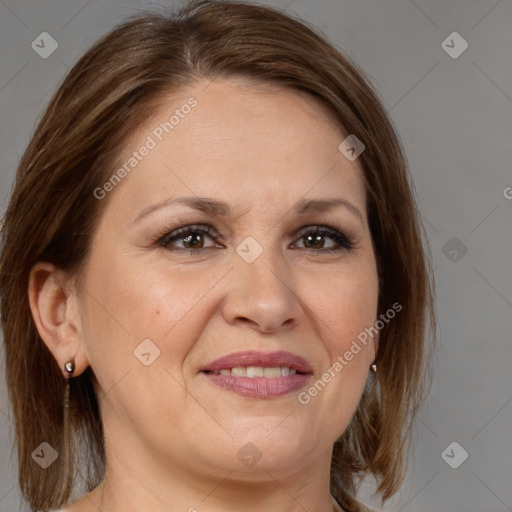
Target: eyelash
343	242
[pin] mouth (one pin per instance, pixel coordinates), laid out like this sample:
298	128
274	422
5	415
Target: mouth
259	374
252	372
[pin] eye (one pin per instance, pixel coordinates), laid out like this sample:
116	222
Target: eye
192	239
314	239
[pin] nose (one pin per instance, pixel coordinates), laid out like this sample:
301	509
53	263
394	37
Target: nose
262	294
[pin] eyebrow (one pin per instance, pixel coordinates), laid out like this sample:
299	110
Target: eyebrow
222	209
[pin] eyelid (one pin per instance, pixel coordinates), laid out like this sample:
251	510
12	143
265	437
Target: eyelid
343	241
204	228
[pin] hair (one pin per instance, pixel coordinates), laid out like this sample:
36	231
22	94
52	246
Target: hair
52	214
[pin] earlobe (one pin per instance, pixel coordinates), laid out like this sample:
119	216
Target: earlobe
53	303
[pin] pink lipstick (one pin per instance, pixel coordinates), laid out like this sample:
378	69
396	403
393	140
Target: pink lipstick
259	374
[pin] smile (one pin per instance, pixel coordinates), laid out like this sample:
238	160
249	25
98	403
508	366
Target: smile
257	371
259	374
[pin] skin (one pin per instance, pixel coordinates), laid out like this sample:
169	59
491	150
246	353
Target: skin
172	437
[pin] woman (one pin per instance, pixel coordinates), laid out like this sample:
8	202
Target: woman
214	284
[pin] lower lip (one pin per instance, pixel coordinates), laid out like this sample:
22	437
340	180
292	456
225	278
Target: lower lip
260	387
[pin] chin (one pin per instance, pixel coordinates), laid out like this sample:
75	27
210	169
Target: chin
266	449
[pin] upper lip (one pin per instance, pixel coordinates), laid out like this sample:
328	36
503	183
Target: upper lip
264	359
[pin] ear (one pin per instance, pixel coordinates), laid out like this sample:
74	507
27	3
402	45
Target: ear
54	304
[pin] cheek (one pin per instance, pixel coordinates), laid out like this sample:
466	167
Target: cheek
127	303
345	312
345	302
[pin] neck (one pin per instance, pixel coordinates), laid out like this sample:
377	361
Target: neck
140	485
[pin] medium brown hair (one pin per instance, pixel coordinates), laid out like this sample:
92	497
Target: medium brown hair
52	214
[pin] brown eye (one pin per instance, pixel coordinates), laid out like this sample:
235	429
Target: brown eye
191	237
314	239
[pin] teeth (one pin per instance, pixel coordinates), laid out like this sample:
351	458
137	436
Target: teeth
273	372
239	371
254	371
258	371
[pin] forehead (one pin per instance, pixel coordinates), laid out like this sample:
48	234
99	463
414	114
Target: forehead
236	139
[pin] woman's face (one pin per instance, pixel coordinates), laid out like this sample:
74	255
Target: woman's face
260	281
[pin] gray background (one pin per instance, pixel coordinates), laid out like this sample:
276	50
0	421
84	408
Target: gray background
454	116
